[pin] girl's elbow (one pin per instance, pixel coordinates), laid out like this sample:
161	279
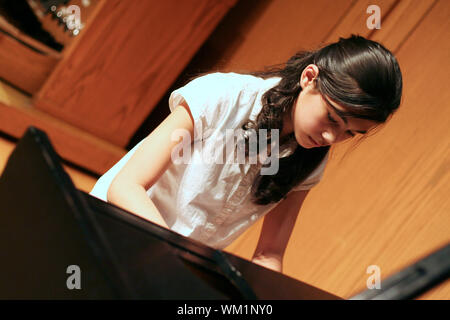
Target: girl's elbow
113	190
110	192
120	187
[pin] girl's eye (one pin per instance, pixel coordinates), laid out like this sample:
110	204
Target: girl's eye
334	121
331	119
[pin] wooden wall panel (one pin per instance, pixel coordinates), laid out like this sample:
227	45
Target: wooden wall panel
25	66
281	28
386	202
71	143
402	22
125	62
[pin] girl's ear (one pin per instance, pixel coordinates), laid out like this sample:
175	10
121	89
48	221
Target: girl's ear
308	76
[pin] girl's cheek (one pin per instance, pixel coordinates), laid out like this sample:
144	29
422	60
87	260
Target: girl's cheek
314	123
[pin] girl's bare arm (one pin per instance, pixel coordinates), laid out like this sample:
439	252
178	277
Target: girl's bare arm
276	231
147	164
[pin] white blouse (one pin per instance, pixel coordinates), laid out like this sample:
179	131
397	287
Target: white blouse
205	200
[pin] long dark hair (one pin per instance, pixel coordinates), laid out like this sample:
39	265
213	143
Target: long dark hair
359	74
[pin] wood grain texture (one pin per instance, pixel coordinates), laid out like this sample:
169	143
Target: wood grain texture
279	30
25	66
402	22
125	62
355	19
385	202
17	114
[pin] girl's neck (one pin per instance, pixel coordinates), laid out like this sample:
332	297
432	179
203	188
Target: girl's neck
287	125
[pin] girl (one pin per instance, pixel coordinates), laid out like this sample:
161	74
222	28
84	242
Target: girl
315	100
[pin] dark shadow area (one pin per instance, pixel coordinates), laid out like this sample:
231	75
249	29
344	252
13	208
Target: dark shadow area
21	16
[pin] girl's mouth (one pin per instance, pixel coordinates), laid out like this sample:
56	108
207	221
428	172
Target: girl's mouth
313	142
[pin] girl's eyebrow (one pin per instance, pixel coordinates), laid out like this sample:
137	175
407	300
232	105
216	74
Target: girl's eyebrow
342	114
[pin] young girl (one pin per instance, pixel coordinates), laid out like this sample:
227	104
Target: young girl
315	100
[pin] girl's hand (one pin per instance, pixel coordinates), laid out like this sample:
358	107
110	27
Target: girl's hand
269	262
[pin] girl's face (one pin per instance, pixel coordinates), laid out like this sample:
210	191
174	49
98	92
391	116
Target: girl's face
314	118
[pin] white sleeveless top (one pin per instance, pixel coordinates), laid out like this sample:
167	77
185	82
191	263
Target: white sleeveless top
207	201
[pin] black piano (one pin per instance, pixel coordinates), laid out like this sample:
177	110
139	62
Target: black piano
57	242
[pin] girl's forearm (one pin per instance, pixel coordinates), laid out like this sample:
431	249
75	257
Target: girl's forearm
134	198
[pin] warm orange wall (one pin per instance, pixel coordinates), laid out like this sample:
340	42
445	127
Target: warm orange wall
387	202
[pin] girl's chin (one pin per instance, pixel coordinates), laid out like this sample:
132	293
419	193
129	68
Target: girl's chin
308	146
